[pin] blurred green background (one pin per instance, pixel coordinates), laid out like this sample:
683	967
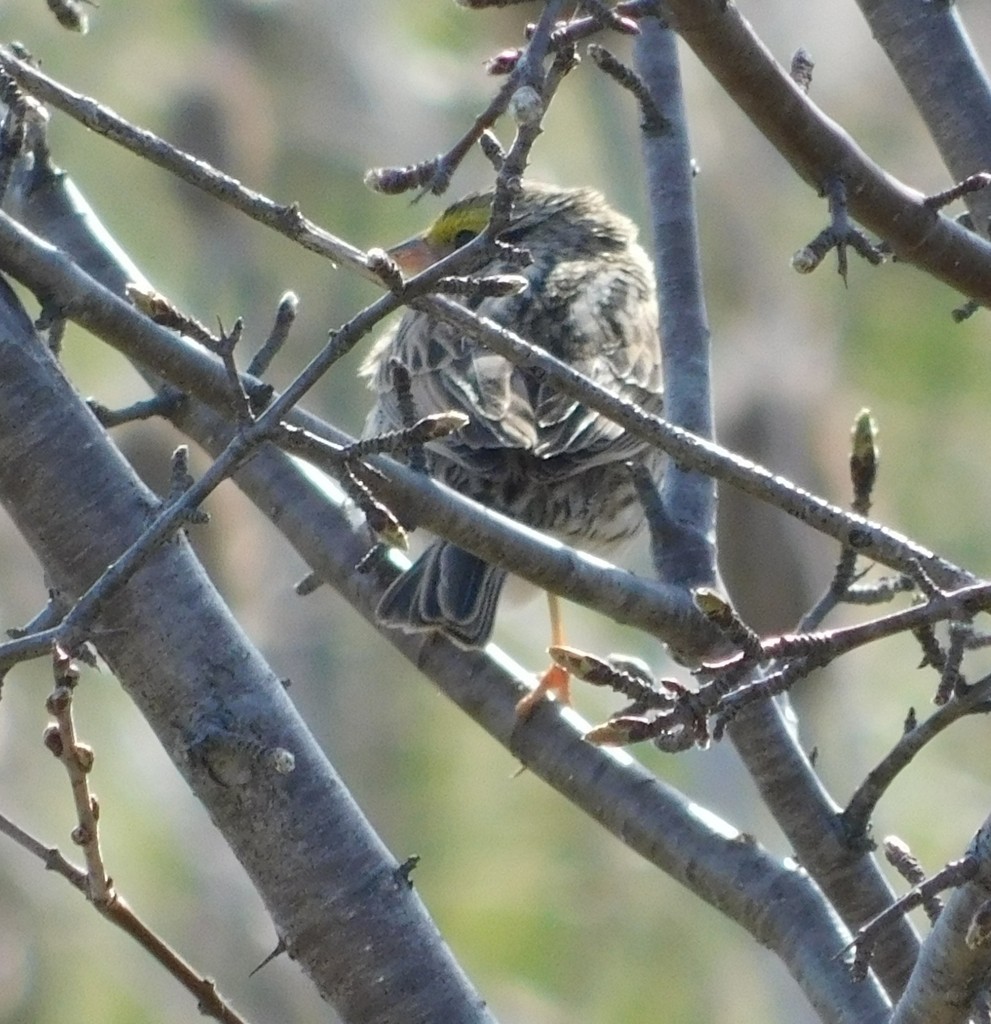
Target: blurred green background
552	918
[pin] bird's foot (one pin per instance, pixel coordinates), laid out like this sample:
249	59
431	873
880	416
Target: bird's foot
555	682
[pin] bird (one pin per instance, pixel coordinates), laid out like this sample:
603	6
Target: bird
528	450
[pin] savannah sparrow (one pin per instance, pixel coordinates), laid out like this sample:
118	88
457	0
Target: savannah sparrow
528	451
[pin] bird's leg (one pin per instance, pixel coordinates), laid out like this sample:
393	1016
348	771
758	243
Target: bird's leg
556	680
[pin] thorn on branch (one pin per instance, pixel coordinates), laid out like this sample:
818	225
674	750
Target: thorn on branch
404	871
801	69
652	121
280	948
225	349
56	335
52	322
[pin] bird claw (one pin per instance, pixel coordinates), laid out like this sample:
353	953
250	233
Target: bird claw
555	682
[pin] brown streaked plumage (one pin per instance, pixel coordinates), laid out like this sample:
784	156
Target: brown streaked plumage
528	451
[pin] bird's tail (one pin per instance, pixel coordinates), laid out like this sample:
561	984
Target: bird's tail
447	589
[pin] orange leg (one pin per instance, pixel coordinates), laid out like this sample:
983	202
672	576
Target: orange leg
556	681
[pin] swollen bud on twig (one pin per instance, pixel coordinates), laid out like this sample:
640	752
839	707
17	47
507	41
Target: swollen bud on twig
503	62
70	15
394	180
864	458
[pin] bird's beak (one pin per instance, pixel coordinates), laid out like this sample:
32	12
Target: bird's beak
414	255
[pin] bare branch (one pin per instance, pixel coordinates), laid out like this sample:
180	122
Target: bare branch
819	150
116	910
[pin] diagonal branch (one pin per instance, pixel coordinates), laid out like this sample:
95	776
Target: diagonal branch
953	965
775	904
929	49
217	708
819	149
119	913
188	367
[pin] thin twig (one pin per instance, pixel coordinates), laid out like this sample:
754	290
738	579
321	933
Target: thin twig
208	999
955	874
285	317
859	811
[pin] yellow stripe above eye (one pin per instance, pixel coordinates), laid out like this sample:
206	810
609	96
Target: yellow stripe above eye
471	216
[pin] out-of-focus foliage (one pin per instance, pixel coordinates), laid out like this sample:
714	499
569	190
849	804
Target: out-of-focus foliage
553	919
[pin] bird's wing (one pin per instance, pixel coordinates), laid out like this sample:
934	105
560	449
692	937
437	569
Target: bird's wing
599	318
610	334
448	372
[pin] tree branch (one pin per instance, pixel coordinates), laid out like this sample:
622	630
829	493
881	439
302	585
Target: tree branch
819	149
685	538
952	969
214	705
929	49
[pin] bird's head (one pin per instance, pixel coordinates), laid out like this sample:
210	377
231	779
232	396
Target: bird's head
560	219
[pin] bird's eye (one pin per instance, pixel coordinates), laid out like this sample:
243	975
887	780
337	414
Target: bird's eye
463	237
